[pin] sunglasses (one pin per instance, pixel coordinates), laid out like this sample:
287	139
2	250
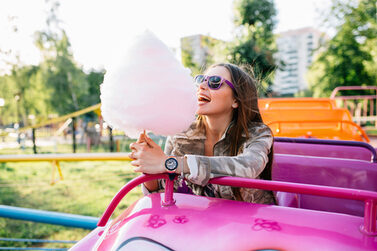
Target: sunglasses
213	82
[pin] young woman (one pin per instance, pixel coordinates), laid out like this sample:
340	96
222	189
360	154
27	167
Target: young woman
228	139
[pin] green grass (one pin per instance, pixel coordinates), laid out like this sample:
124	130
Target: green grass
371	131
87	189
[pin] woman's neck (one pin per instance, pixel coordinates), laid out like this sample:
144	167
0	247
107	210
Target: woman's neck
216	126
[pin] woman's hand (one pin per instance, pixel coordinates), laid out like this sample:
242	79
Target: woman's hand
147	156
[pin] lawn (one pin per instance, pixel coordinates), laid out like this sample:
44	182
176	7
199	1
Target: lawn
87	188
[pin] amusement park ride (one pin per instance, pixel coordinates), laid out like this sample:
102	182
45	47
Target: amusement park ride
324	173
324	180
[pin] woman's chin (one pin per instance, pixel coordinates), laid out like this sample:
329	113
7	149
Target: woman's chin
200	112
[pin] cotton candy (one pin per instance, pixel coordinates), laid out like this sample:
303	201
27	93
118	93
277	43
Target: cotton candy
148	89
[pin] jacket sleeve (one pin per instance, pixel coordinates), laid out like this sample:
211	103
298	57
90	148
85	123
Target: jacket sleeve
249	164
168	146
167	150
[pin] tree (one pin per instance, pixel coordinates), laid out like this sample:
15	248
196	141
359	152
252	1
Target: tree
254	43
94	79
347	60
24	94
66	81
57	85
187	55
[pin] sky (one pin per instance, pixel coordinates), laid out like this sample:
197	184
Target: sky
99	29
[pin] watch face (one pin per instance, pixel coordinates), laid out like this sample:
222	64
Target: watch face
171	164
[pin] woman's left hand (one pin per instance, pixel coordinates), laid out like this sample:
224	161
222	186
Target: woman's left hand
147	156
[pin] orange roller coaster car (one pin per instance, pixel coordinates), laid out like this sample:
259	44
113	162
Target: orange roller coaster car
296	103
333	123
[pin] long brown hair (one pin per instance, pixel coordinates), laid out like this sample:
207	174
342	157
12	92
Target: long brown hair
247	112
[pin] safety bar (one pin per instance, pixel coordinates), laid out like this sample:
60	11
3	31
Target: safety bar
322	121
331	142
370	198
169	189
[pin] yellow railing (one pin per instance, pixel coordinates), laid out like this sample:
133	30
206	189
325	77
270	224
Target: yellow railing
55	158
96	108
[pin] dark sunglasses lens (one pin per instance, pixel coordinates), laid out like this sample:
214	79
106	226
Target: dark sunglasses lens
199	79
214	82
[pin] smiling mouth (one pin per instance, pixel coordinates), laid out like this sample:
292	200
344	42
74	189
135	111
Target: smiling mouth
203	99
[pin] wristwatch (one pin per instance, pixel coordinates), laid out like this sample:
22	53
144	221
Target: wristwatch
171	164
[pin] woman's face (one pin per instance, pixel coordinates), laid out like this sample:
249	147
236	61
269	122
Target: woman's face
216	102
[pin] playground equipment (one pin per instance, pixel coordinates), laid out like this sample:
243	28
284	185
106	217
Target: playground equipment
340	192
66	120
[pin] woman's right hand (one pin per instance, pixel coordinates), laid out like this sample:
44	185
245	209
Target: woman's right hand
141	144
147	156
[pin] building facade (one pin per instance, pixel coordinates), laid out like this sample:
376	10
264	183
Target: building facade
202	49
194	45
295	51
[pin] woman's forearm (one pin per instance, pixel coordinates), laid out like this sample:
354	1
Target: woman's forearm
151	185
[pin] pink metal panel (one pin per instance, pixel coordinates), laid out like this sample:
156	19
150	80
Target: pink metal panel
202	223
334	172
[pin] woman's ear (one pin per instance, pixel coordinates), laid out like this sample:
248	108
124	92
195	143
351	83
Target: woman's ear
235	104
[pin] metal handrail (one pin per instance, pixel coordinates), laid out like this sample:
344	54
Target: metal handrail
169	189
346	88
55	158
49	217
370	198
64	157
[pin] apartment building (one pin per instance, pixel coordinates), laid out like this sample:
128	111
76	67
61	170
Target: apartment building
296	51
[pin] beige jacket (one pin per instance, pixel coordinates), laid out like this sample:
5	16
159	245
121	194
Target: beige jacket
249	163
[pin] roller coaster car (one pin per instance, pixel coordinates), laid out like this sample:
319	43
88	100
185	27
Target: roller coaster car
176	221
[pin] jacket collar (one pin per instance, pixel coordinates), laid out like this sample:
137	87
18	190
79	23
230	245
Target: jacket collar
195	133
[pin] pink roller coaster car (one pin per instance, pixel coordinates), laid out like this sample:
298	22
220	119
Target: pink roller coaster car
177	221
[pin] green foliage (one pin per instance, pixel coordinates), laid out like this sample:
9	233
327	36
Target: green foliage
94	79
24	94
66	81
58	85
254	44
28	185
258	17
213	51
349	58
187	55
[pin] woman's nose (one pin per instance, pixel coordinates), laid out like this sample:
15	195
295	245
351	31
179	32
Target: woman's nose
203	85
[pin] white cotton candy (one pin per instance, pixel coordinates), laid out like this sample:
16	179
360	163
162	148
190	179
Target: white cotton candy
148	89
